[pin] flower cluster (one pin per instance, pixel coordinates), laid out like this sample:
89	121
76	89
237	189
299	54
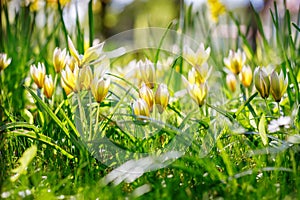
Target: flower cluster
143	106
237	69
198	75
75	70
274	83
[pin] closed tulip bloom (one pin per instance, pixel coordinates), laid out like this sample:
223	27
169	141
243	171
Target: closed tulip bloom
66	88
278	85
197	58
246	76
85	78
262	82
70	77
198	92
231	82
147	94
140	108
48	86
147	73
38	74
235	61
162	96
4	61
99	88
59	59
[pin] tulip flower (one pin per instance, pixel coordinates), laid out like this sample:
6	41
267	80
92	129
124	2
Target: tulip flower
146	93
4	61
231	82
216	9
162	96
70	77
91	56
38	74
140	108
48	86
246	76
85	78
66	88
147	73
278	85
198	92
199	75
262	82
235	61
99	88
197	58
59	59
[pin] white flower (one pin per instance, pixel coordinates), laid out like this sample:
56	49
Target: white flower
281	122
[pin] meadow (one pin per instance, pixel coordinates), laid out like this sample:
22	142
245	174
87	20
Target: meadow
205	107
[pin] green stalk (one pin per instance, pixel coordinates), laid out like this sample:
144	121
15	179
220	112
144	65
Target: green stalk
91	22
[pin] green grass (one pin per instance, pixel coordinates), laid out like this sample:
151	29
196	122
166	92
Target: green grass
72	147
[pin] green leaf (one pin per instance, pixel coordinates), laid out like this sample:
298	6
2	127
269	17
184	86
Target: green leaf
49	111
39	137
24	161
262	129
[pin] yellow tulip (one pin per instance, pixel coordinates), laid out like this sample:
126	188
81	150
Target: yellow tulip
231	82
262	82
59	59
198	74
4	61
140	108
197	58
70	77
38	74
146	93
99	88
246	76
66	88
216	9
147	73
198	92
162	96
85	78
278	85
91	56
48	86
235	61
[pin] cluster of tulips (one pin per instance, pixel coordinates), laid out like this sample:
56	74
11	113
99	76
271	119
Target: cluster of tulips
76	72
265	82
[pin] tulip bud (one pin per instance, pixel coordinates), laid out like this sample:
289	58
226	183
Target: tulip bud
38	74
147	94
59	59
231	82
4	62
162	97
140	108
198	92
85	78
48	86
246	76
278	85
66	88
262	82
99	88
147	72
70	78
235	61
